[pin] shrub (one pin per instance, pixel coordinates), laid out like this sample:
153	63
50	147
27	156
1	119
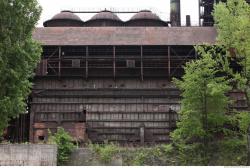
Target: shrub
105	152
64	143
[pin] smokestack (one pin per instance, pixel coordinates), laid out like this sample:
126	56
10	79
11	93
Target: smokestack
175	12
188	20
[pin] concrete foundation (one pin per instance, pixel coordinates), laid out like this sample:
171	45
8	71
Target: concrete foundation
28	155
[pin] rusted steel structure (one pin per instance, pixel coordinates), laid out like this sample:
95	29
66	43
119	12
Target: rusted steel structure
17	131
109	79
106	79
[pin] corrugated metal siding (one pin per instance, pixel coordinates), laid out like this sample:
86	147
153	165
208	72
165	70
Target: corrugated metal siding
108	117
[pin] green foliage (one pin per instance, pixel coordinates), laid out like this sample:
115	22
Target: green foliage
204	106
230	151
158	155
151	156
244	121
64	144
19	55
140	158
205	133
199	83
105	152
232	23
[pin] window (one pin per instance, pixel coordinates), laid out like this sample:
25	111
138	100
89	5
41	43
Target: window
76	63
130	63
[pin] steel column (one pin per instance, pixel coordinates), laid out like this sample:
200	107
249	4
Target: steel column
31	133
114	65
169	63
141	63
86	62
59	56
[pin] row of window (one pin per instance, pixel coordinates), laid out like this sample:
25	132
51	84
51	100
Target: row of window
60	117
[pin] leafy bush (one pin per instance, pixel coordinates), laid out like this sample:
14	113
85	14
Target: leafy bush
105	152
229	152
157	155
64	143
130	156
140	158
244	121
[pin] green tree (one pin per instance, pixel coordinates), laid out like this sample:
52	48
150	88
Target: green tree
233	26
19	55
204	106
207	132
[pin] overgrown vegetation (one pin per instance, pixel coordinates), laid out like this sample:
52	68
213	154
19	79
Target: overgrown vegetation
232	24
64	144
208	133
105	152
130	156
19	55
229	152
204	107
157	155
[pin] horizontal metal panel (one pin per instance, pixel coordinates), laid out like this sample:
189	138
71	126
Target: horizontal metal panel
125	35
108	93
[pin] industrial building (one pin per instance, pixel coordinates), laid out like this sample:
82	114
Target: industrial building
109	80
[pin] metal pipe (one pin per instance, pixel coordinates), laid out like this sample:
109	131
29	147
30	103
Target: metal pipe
199	7
99	11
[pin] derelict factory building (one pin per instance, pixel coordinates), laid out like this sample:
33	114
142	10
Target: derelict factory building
105	79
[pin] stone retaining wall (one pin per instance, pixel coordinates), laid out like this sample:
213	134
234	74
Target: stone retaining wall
86	157
28	155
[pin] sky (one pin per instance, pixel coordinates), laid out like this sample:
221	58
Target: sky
160	7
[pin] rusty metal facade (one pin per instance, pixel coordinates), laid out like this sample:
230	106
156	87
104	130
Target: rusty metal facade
113	114
108	92
107	82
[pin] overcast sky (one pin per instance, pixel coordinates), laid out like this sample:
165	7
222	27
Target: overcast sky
160	7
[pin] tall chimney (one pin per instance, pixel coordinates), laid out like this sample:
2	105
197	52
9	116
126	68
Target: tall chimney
188	20
175	12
